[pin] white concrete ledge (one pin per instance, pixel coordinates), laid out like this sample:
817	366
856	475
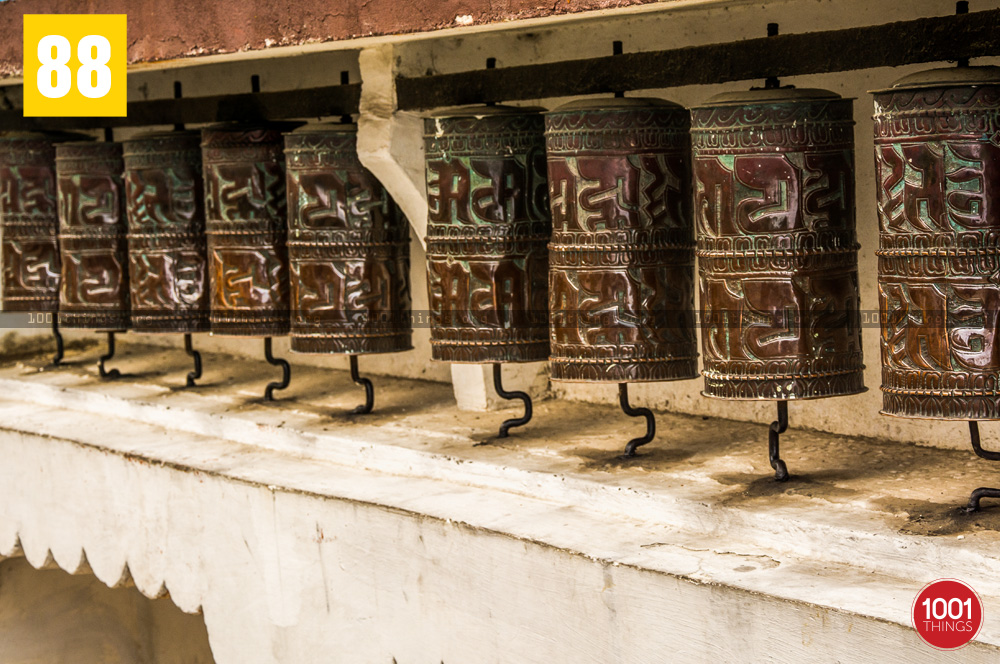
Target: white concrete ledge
301	531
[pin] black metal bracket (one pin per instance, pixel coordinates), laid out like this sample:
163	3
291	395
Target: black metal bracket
936	39
981	492
286	371
635	443
105	373
778	427
772	82
332	100
345	80
504	394
60	346
189	349
369	403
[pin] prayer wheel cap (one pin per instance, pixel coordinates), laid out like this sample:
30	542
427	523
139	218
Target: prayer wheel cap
282	126
65	149
768	96
152	135
480	111
54	136
326	128
947	77
615	104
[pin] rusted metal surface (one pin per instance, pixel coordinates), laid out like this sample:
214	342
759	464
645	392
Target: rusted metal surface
621	257
937	164
487	228
774	203
933	39
166	232
93	227
348	249
30	221
245	217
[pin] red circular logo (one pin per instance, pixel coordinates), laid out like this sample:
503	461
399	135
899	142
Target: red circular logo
947	614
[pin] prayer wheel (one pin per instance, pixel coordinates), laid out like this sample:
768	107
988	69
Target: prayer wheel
487	229
29	213
166	233
348	251
29	225
94	291
247	227
937	164
621	282
777	249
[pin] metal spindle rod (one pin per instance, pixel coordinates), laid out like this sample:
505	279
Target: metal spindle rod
286	371
778	427
962	7
981	492
635	443
369	403
60	347
189	349
105	373
504	394
616	49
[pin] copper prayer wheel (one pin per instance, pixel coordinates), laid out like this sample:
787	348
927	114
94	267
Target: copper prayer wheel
29	216
166	232
777	249
774	199
487	228
348	249
246	223
621	285
621	259
939	243
937	164
94	292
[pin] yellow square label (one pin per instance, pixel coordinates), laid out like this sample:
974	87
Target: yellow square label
74	65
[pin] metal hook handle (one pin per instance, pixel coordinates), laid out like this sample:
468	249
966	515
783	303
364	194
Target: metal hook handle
189	349
777	428
635	443
114	373
504	394
60	347
981	492
286	371
369	403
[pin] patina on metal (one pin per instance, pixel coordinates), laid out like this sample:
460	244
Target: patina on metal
93	229
937	164
348	246
166	233
247	226
775	210
621	285
29	225
487	227
348	252
29	213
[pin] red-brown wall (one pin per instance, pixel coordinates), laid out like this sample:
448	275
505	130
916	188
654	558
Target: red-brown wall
167	29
